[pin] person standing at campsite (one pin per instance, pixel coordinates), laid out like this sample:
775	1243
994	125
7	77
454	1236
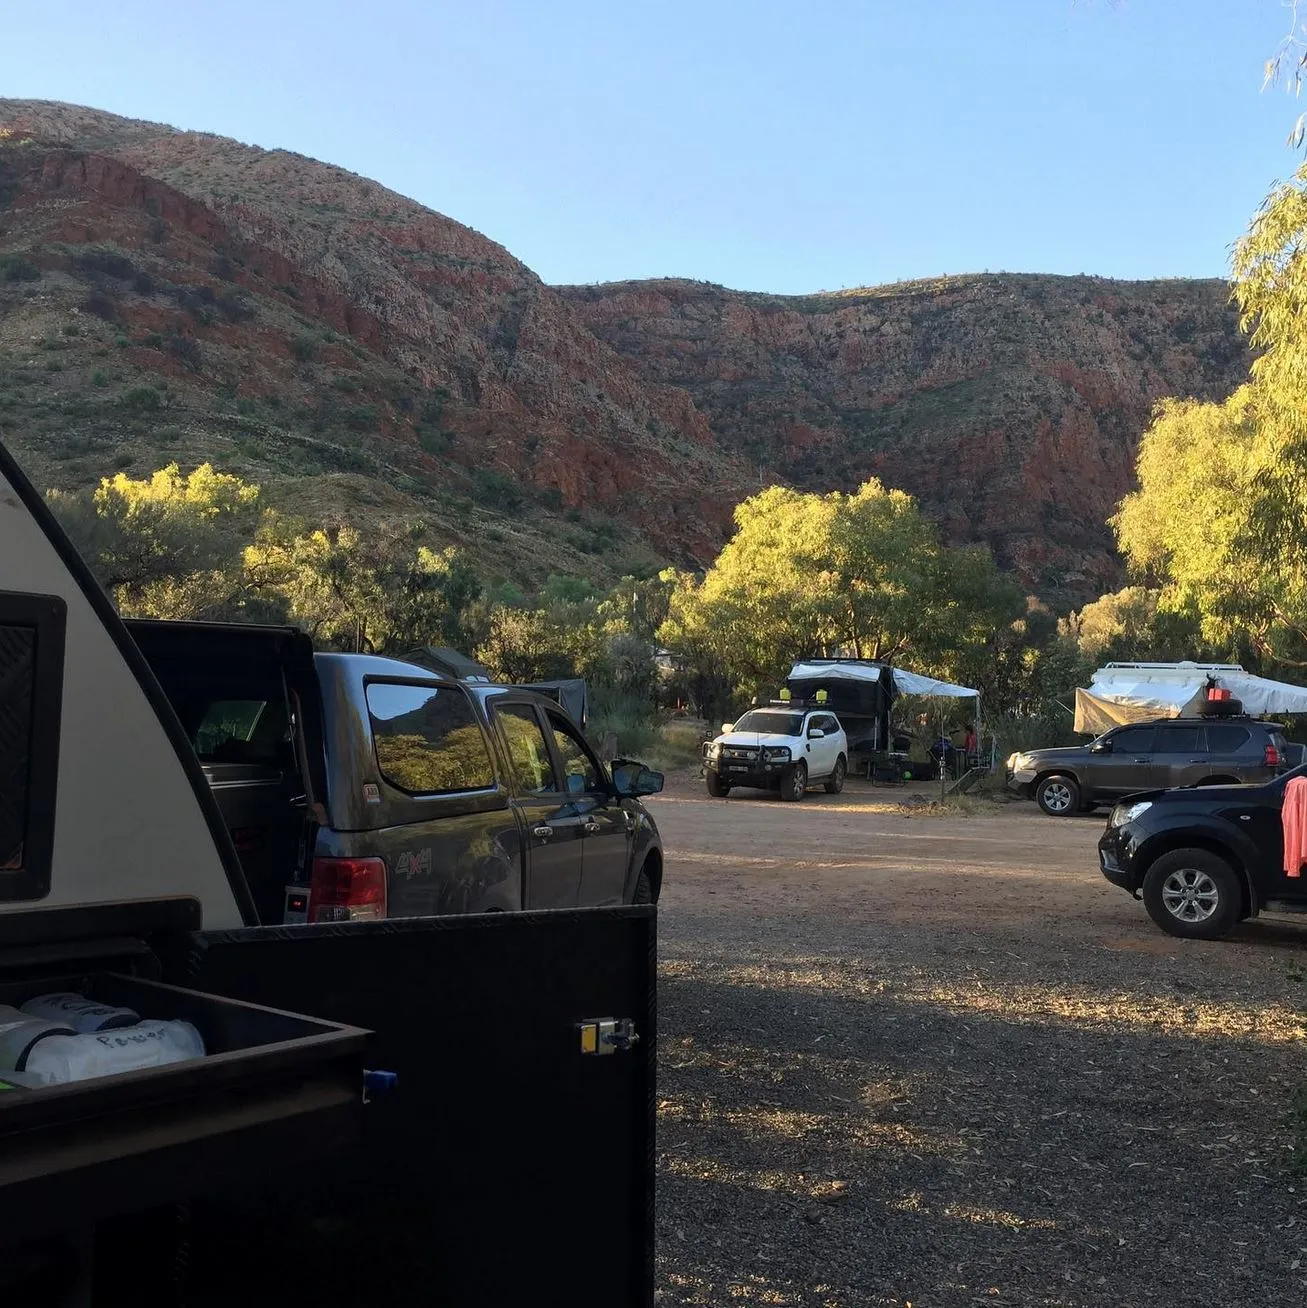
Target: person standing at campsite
971	746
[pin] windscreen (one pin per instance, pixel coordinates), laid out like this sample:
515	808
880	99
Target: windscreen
765	722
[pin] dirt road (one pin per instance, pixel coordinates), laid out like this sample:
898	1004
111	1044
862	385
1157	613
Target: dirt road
940	1061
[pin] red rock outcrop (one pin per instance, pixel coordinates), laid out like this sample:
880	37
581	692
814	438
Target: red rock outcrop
523	388
1010	405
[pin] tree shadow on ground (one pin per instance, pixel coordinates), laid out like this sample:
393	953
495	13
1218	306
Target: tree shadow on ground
837	1132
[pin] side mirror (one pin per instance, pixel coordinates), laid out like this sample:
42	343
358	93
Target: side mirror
631	779
816	733
727	728
1101	747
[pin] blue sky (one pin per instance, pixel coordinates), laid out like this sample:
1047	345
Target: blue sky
769	146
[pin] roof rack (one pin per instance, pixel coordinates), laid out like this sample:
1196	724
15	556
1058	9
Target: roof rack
787	700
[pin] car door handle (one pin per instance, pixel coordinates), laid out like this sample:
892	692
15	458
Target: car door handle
1143	760
592	827
543	832
1197	760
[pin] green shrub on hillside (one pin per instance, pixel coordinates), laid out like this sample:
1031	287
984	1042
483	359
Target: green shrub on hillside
434	442
143	399
496	489
18	268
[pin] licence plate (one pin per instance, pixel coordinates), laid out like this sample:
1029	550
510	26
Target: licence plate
737	767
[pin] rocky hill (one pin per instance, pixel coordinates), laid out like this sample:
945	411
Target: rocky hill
170	295
1010	405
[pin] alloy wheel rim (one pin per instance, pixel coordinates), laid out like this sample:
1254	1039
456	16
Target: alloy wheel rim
1057	796
1190	895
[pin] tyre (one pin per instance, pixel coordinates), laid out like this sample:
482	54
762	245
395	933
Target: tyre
1222	708
794	783
1058	796
643	889
717	788
835	782
1193	894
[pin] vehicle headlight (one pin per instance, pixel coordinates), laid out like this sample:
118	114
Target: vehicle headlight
714	747
775	752
1124	813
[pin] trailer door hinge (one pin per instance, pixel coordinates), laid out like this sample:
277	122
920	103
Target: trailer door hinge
607	1035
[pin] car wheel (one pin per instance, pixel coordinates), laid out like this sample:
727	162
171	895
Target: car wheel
1193	894
1058	796
835	782
794	783
717	788
643	889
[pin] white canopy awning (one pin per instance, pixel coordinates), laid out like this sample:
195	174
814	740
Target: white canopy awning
905	683
1133	692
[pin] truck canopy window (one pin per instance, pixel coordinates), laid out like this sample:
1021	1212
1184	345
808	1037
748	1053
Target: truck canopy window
427	739
31	679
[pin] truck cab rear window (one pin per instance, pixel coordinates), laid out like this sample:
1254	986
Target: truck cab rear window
427	740
31	686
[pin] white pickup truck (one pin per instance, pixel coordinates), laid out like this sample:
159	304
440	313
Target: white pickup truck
511	1161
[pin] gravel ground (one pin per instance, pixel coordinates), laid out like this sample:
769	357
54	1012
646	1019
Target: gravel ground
934	1061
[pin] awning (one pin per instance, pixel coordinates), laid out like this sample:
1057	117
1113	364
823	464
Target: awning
1136	692
913	683
905	683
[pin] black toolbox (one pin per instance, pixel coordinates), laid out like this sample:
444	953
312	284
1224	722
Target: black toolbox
273	1089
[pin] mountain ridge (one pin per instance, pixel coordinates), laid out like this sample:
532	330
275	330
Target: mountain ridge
365	355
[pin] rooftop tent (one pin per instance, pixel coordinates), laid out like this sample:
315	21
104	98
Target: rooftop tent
447	663
855	686
1135	692
866	672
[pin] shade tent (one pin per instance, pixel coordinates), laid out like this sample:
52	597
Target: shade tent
860	692
1137	692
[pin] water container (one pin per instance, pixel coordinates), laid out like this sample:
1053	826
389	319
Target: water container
80	1013
62	1058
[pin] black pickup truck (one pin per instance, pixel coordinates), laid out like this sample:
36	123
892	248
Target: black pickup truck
360	787
510	1160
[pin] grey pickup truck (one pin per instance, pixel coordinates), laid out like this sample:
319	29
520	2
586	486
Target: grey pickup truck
358	787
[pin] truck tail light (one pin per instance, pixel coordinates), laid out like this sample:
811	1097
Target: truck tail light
1272	757
347	889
